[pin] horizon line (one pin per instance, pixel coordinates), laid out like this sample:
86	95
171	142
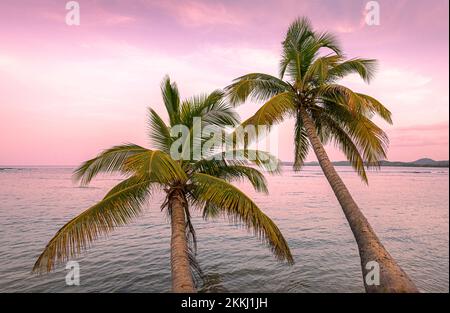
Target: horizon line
282	161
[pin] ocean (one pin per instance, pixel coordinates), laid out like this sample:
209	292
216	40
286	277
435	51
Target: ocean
407	207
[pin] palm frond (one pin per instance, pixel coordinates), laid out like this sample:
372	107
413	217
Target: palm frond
159	132
301	46
273	111
122	204
319	69
328	130
157	164
343	96
240	208
238	157
329	41
212	108
171	98
299	31
256	87
370	139
294	61
220	114
301	143
375	106
109	161
365	68
232	173
257	126
214	114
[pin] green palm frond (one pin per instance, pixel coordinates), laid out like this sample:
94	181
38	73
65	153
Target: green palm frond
157	164
273	111
220	114
343	96
295	64
358	103
301	46
240	208
239	157
122	204
318	71
294	61
210	211
256	87
171	98
370	139
212	108
159	132
214	114
328	130
301	143
299	32
329	41
376	107
365	68
109	161
232	173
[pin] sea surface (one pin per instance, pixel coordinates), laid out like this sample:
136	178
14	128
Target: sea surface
407	207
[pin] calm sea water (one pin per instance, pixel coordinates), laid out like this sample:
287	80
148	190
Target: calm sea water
407	207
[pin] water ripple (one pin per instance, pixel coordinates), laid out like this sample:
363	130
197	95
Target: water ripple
407	208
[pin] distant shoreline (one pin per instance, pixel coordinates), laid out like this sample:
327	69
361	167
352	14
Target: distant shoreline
418	163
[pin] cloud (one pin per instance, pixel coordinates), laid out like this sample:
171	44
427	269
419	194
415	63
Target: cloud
197	13
411	95
90	15
420	136
122	73
6	61
443	126
110	19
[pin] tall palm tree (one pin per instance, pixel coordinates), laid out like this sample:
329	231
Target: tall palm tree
203	184
325	111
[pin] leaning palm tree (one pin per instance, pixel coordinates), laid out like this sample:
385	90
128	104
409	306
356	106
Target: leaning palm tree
188	183
326	111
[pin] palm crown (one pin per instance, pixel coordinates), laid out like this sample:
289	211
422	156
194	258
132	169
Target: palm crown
202	184
313	64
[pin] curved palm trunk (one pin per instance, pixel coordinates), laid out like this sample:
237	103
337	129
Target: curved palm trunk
392	277
181	271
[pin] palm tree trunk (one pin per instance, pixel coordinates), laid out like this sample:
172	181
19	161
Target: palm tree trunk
391	277
181	271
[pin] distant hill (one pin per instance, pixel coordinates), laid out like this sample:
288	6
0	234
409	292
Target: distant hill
424	162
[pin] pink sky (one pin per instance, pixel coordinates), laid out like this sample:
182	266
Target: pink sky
66	92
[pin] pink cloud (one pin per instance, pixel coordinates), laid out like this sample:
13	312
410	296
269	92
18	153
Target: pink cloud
438	127
108	18
201	13
416	141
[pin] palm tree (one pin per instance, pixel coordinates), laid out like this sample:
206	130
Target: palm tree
202	184
326	111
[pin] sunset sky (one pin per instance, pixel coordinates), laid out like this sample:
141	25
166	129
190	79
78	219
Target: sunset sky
66	92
